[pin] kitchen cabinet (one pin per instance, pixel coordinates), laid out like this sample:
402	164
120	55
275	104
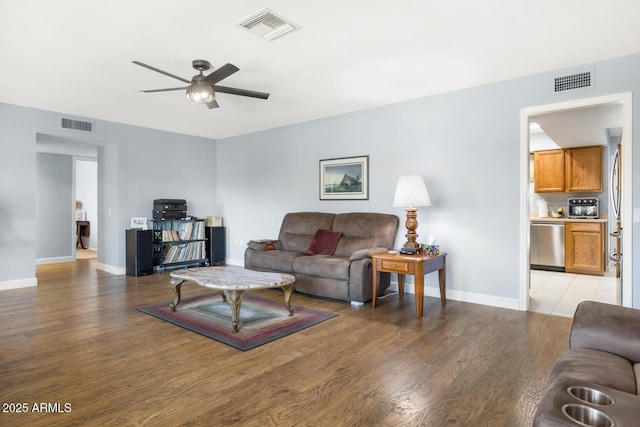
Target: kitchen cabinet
567	171
548	175
584	247
583	169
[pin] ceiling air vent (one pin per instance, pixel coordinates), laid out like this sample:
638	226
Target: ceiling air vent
267	24
77	125
574	81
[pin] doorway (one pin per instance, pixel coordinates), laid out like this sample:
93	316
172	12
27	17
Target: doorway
57	215
86	200
527	115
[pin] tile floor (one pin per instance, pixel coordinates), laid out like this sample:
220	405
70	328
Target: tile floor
560	293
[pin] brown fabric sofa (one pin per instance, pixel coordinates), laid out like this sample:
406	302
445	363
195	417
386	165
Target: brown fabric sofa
603	355
347	273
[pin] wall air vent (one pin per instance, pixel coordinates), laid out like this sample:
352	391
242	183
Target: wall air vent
573	81
267	24
77	125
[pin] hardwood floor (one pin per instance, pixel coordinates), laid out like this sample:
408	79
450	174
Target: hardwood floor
86	253
77	341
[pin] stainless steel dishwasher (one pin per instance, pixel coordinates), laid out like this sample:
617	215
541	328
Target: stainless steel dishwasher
547	246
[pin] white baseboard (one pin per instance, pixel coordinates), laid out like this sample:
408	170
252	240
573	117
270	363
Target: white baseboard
471	297
432	291
119	271
20	283
56	260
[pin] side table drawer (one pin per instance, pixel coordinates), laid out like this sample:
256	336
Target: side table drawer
395	266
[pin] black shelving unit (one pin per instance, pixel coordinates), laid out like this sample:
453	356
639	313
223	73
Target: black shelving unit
178	240
179	243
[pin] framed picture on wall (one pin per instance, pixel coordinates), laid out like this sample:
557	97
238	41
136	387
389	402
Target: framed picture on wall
345	178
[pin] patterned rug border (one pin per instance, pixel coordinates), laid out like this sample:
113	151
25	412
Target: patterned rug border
246	338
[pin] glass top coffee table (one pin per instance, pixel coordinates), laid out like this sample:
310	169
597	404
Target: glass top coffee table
232	282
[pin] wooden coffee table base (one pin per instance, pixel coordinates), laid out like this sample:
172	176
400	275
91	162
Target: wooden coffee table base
233	283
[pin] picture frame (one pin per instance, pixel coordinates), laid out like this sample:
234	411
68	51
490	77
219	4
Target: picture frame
344	178
139	223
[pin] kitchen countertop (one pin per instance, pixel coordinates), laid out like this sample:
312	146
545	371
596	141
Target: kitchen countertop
535	218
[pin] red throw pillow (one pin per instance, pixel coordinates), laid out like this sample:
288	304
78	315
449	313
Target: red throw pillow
324	242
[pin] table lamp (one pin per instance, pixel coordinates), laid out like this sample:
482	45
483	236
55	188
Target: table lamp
411	191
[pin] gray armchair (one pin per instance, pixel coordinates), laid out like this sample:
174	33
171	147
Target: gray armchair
599	376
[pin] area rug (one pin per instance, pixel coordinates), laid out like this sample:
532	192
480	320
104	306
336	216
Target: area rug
261	320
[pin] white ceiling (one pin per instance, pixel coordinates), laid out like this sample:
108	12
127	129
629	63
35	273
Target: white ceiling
74	56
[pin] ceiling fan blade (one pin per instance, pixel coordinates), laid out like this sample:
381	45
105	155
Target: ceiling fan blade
241	92
164	90
160	71
212	104
219	74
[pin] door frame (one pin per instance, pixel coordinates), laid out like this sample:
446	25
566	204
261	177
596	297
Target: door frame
625	99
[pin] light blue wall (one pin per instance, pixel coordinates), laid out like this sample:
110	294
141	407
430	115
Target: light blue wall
54	206
467	146
465	143
135	166
17	195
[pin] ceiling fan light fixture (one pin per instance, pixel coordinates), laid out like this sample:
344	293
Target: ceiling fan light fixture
200	93
202	89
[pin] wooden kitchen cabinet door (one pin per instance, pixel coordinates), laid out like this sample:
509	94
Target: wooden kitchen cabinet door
583	169
549	173
584	247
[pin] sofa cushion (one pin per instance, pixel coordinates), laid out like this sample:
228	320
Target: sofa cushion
362	230
331	267
298	228
324	242
347	246
296	242
277	260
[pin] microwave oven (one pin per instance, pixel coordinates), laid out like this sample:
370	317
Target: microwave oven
583	207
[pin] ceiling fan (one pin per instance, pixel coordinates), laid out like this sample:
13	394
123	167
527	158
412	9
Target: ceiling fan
202	89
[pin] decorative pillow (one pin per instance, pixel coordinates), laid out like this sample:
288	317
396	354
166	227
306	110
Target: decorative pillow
324	242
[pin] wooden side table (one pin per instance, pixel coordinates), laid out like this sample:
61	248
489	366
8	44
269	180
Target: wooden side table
418	266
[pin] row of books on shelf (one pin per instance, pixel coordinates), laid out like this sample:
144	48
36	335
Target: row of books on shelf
191	230
187	252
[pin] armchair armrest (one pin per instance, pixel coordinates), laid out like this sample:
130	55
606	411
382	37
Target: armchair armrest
607	327
366	253
264	244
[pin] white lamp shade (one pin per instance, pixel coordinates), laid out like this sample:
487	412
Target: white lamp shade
411	191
